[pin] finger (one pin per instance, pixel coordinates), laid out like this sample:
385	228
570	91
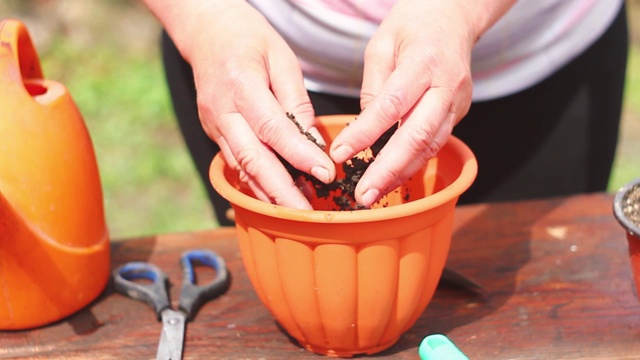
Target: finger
242	175
244	178
288	88
259	166
378	66
287	85
399	94
226	153
268	120
425	130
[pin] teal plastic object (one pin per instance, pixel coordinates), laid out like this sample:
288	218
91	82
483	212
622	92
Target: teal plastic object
439	347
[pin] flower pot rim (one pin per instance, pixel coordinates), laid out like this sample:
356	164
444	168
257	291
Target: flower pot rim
618	210
237	198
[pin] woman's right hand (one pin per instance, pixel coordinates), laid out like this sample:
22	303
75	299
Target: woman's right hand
247	79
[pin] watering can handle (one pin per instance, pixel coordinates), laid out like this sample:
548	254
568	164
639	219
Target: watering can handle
14	38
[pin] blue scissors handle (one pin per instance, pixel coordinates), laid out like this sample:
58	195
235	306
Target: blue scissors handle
192	295
154	293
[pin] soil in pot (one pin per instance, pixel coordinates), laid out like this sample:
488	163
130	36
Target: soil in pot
631	205
341	191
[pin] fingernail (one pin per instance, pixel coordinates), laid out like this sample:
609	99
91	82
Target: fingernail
342	153
320	173
370	196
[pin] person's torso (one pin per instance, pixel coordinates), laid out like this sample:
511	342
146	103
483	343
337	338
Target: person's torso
531	41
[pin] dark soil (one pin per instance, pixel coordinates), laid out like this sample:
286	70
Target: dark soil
631	205
341	191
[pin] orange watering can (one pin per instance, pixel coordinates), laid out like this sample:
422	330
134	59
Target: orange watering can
54	243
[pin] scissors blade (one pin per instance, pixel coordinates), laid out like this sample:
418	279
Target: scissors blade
172	337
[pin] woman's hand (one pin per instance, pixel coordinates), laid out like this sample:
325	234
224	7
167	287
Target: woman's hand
417	71
247	79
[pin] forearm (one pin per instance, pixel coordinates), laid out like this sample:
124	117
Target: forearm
485	13
186	20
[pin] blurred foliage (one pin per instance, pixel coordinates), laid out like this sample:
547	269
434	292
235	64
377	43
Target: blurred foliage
148	178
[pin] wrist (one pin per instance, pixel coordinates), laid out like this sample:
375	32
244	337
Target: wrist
484	13
186	20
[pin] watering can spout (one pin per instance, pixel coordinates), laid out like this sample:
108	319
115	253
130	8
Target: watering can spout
53	232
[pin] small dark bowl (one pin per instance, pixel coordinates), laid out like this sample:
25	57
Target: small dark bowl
632	229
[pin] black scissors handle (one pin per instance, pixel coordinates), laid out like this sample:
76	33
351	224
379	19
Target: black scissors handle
154	293
193	296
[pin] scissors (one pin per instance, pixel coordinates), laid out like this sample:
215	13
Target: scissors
156	294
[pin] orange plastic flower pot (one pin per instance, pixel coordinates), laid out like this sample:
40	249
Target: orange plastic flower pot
350	282
54	246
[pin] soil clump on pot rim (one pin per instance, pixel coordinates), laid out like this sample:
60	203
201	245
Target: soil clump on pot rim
631	205
340	191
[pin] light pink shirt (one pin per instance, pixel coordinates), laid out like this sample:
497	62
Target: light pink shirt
533	40
372	10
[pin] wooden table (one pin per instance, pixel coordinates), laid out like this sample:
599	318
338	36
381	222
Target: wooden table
556	277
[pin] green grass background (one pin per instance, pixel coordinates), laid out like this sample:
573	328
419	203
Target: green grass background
106	53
